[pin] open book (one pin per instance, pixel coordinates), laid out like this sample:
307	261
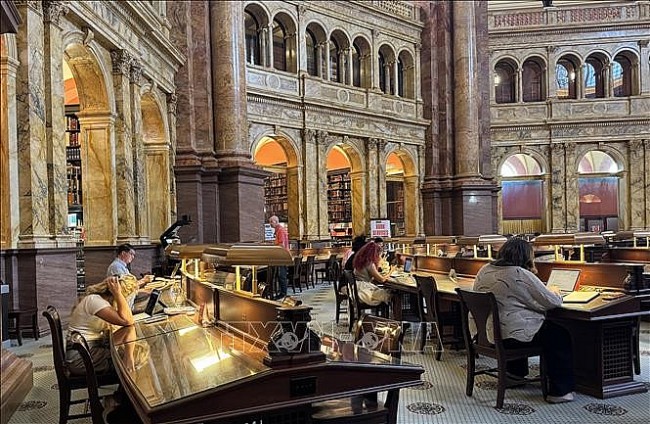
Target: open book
580	296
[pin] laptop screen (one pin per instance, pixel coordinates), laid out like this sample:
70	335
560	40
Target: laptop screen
565	279
408	264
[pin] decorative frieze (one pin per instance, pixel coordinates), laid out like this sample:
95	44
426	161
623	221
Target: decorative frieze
135	72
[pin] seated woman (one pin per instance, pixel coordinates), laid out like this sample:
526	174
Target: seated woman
523	298
104	304
365	265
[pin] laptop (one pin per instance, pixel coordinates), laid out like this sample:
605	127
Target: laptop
154	300
567	281
408	265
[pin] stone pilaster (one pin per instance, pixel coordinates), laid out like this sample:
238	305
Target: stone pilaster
172	100
646	148
572	197
558	189
382	204
55	119
411	204
314	182
360	220
31	121
638	184
140	224
372	169
295	207
644	67
124	154
9	207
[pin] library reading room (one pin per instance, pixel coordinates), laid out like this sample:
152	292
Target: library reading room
324	212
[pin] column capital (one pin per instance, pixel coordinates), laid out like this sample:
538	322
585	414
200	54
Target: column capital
121	61
135	72
381	144
557	148
53	10
644	43
637	145
321	136
172	100
372	143
309	135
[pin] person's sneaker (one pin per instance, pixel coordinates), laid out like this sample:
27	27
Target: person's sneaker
560	399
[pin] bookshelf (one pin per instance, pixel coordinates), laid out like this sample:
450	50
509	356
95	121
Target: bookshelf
339	202
395	206
275	197
75	189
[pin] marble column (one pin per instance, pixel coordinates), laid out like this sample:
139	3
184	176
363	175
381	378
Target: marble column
466	89
294	207
269	45
607	82
98	168
382	204
519	88
241	185
328	66
372	171
646	149
172	99
350	66
644	67
9	190
300	36
411	205
558	189
638	185
140	225
360	220
314	189
124	154
31	119
374	62
572	192
55	120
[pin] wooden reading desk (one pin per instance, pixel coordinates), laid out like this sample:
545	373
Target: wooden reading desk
175	371
601	331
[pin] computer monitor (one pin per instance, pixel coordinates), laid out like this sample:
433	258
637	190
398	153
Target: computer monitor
408	264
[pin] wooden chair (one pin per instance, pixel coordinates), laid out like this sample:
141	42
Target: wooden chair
114	413
66	381
17	321
431	312
297	274
330	272
307	271
355	306
484	308
376	333
339	295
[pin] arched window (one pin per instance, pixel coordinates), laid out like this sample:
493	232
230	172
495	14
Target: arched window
406	75
522	195
504	82
623	72
279	46
533	80
253	44
312	53
598	192
335	69
566	71
594	77
386	64
361	63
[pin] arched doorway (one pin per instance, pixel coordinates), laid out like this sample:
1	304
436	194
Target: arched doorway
339	194
281	189
598	190
90	146
156	167
402	193
522	195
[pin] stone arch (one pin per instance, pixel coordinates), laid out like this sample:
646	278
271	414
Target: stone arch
97	138
361	61
411	188
259	11
155	140
286	26
627	83
352	151
293	175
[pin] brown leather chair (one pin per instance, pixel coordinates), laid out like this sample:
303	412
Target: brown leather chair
115	413
444	322
68	382
376	333
484	308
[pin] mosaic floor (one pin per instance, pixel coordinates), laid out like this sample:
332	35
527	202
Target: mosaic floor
440	399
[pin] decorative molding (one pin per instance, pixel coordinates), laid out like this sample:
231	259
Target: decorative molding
121	61
172	100
35	5
321	137
89	35
135	72
309	135
381	145
53	10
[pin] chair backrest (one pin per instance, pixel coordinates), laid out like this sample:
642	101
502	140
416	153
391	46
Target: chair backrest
96	408
427	291
331	261
58	348
483	307
297	266
381	334
353	294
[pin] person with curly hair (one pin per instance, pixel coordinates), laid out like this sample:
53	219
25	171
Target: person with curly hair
103	305
365	265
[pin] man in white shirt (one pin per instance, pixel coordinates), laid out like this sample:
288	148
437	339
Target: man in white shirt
120	266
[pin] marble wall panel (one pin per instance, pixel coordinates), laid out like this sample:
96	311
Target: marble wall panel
597	109
503	114
9	212
640	106
572	193
637	184
157	205
558	189
360	218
